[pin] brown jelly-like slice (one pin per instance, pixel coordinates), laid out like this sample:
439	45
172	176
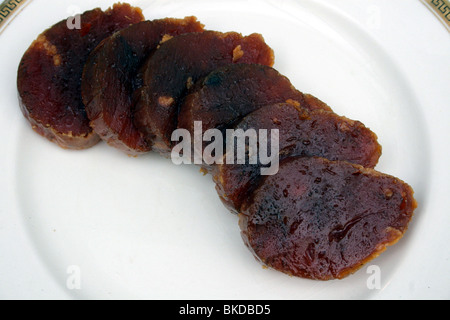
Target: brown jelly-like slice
232	92
176	66
109	79
324	220
302	132
49	75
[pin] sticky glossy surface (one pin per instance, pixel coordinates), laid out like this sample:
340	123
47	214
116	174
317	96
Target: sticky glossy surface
226	95
177	65
110	79
302	132
324	220
49	76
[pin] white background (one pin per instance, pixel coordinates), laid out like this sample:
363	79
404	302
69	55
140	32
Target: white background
90	209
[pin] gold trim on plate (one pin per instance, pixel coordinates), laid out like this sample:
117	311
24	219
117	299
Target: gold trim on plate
9	9
441	8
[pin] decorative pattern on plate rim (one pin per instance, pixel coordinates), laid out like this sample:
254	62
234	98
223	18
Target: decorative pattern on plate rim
441	8
8	10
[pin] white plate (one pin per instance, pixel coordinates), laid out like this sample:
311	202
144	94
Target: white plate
146	229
